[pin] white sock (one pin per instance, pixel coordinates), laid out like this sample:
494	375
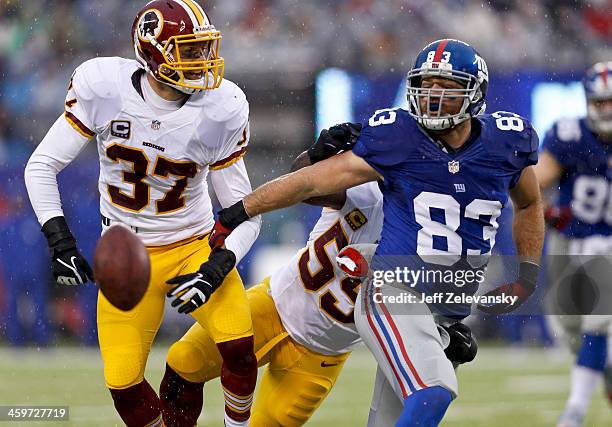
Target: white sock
584	381
233	423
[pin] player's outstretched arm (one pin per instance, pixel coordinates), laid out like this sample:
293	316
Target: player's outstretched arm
334	200
335	174
528	232
329	176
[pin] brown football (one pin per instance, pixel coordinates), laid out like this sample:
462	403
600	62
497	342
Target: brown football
121	267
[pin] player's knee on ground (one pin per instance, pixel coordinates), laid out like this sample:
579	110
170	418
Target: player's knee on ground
238	355
187	360
291	407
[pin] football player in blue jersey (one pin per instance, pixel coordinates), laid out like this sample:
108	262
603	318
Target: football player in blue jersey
445	170
576	157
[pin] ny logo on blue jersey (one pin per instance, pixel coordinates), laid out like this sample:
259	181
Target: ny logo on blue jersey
460	188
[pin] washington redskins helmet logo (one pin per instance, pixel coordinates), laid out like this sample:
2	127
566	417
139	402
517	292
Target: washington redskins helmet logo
150	25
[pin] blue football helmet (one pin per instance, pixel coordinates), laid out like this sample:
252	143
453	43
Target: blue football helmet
455	60
597	84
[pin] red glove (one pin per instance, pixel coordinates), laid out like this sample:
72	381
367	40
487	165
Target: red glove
558	217
218	235
519	290
227	220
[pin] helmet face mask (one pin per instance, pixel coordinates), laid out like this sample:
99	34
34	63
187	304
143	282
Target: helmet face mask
442	61
177	67
598	90
165	39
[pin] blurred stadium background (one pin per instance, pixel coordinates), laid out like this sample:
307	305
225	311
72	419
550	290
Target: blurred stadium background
304	65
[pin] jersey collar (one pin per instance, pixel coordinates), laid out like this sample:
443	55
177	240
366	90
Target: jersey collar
476	128
136	82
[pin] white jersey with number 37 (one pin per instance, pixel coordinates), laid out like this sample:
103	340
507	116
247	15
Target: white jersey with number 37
313	297
153	167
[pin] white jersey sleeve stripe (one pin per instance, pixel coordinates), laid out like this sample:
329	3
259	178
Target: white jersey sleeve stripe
229	160
78	125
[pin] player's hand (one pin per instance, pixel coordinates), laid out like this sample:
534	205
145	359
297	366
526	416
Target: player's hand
462	347
218	234
193	290
68	265
334	140
558	217
354	260
227	220
521	290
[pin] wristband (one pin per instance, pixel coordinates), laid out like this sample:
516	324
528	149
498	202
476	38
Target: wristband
224	258
58	234
233	216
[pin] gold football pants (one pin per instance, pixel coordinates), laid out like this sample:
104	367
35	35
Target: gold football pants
295	380
125	337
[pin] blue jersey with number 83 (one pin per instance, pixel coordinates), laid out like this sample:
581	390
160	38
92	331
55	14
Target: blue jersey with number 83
439	205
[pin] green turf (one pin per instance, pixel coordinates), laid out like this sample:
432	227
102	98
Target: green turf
503	387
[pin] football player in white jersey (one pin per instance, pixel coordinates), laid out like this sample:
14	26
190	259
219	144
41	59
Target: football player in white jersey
162	124
302	317
303	321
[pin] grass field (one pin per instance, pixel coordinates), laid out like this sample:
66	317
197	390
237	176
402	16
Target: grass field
503	387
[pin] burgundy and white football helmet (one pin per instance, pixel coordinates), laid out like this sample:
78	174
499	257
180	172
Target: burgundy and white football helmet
175	41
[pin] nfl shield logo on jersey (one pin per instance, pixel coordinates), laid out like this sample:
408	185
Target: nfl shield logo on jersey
155	124
453	166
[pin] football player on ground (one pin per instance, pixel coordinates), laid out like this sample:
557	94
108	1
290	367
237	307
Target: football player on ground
447	171
162	124
303	321
576	159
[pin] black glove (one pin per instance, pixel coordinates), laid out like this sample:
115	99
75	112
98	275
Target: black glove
463	346
519	290
68	265
334	140
227	220
194	289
